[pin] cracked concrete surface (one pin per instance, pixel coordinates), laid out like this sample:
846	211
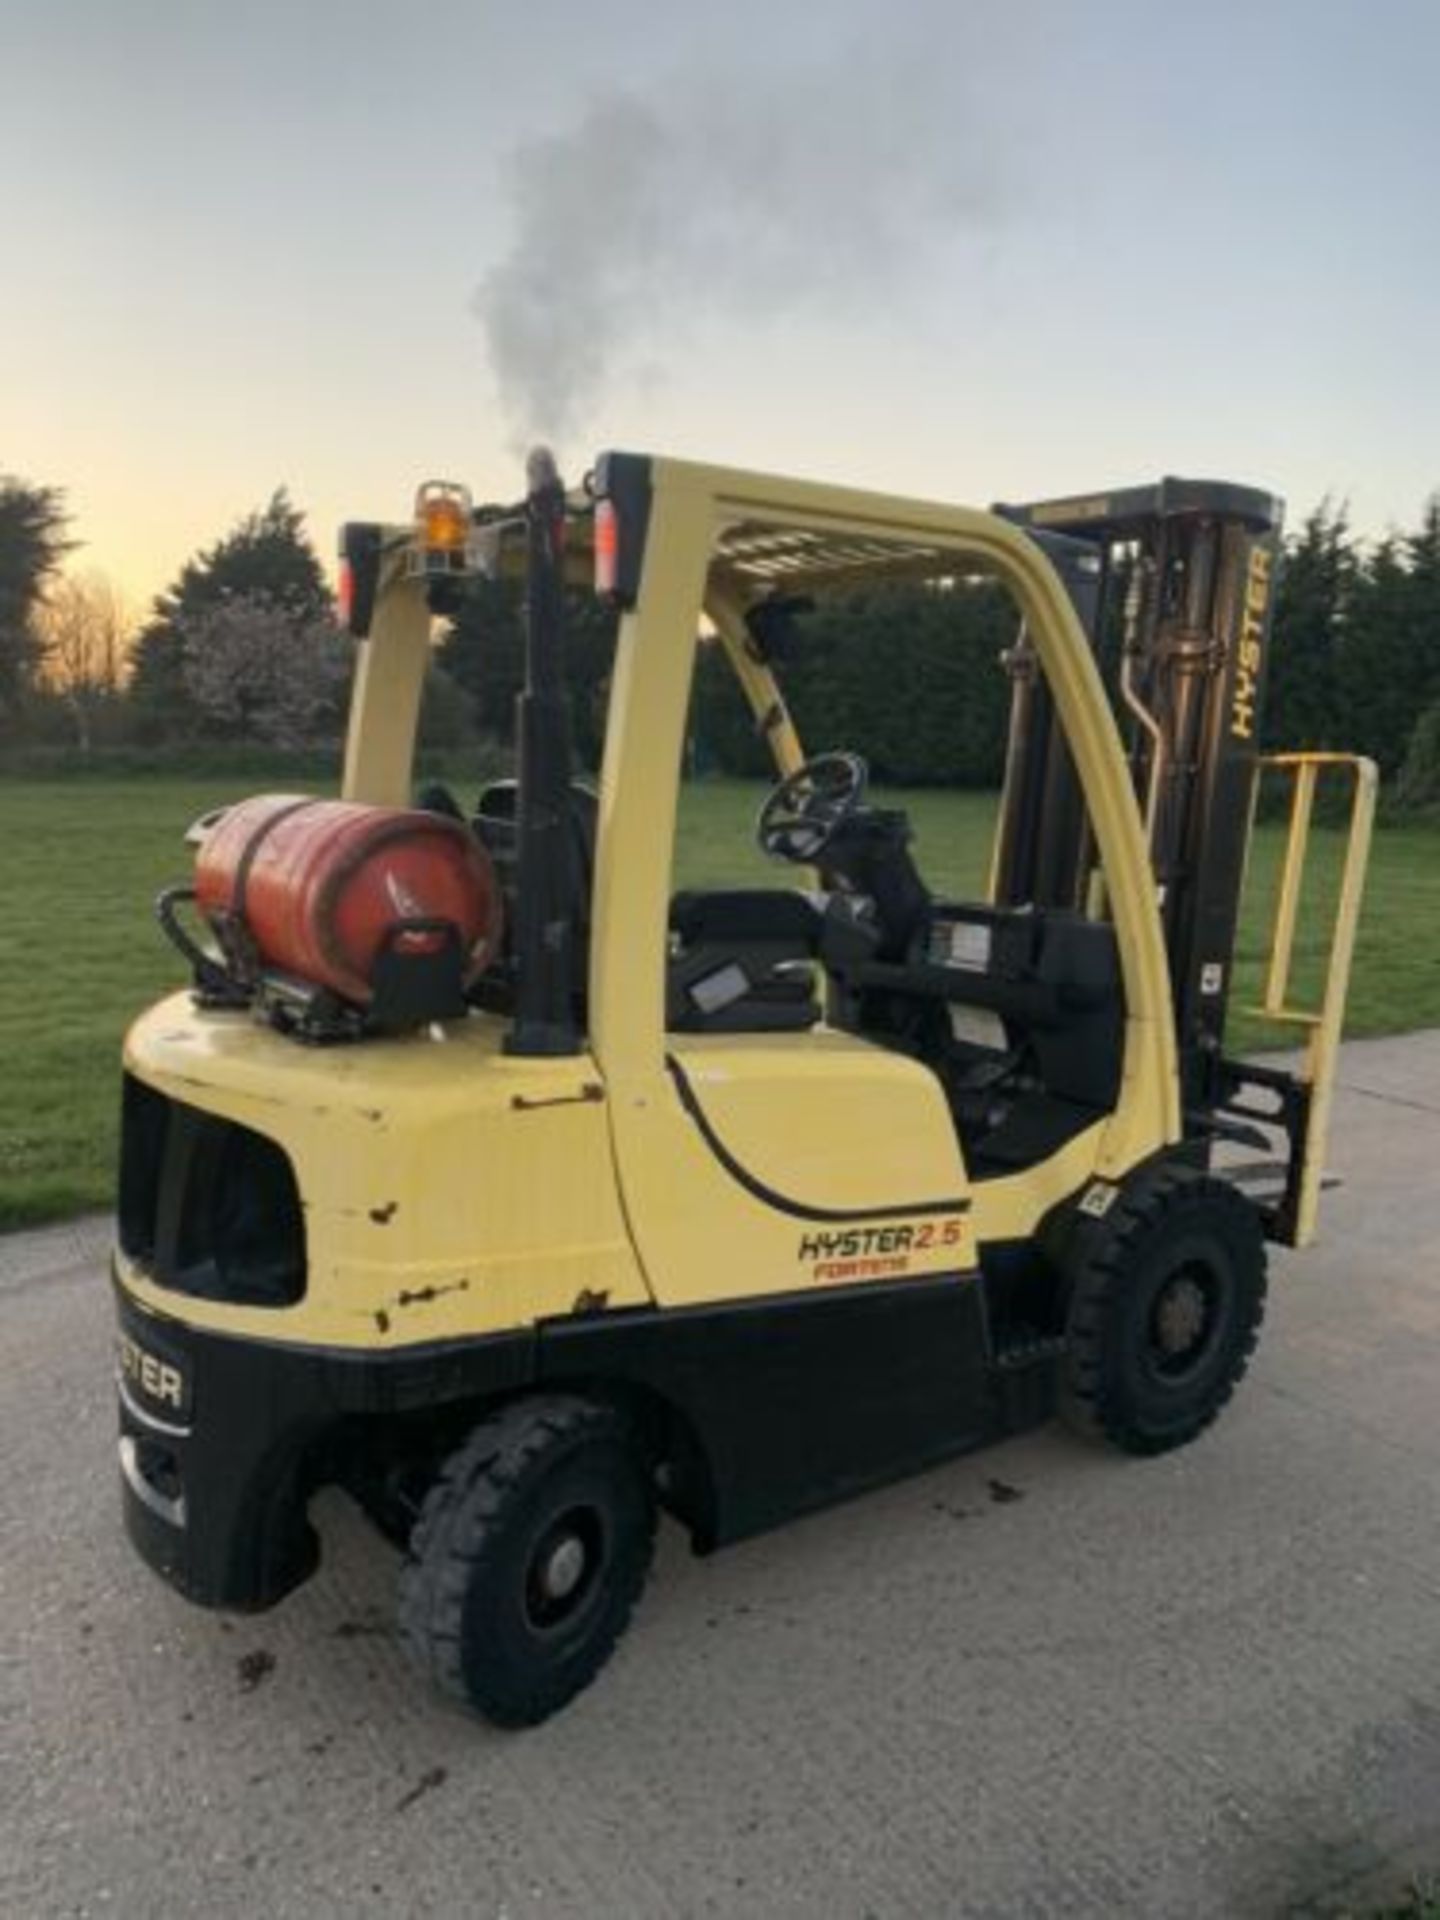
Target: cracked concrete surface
1203	1685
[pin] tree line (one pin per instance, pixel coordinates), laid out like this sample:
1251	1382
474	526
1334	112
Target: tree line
244	647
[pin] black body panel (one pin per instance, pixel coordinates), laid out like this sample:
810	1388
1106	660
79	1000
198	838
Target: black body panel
210	1207
1125	513
785	1403
236	1446
799	1399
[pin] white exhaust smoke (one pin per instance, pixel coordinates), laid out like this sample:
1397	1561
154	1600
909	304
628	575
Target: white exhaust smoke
823	189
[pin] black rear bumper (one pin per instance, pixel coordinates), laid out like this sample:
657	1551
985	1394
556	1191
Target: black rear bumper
223	1440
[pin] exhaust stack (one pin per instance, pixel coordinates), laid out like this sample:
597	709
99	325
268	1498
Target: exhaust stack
545	844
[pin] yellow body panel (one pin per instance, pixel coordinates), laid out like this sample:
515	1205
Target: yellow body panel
806	1139
389	683
1324	1025
687	1225
448	1188
850	1123
452	1189
1013	1207
757	682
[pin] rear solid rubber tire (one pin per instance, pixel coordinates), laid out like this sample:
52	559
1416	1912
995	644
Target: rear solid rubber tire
1166	1222
466	1588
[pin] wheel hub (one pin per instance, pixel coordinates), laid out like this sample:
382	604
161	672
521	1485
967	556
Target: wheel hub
563	1567
1180	1316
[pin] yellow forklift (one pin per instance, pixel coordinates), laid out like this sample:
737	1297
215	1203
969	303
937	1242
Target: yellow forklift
482	1175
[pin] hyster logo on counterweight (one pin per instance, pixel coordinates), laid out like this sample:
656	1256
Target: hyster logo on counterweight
871	1252
155	1378
1252	643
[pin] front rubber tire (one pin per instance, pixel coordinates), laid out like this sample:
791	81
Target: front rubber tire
531	1550
1166	1297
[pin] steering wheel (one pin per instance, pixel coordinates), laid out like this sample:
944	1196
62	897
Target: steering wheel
803	814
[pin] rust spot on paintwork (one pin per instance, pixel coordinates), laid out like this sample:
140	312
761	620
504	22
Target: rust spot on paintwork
382	1216
382	1320
422	1296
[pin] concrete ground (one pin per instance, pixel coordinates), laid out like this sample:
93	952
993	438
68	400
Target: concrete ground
1046	1680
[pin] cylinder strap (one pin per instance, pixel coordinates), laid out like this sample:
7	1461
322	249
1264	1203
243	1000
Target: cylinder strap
252	848
231	928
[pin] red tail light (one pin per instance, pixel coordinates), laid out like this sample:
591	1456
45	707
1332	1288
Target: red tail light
622	521
359	575
607	548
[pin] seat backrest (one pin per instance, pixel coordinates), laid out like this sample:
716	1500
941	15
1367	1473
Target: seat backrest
1080	1055
496	822
766	916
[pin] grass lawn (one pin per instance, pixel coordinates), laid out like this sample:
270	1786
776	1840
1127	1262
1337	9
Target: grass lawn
81	861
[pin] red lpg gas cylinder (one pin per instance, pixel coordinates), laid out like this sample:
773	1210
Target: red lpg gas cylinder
319	884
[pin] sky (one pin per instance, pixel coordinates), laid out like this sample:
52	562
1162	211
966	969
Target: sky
960	250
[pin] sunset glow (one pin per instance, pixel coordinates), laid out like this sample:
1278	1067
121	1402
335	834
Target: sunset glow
239	273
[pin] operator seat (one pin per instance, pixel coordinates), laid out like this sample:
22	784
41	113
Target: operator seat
741	962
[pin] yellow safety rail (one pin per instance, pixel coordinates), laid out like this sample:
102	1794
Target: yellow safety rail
1324	1024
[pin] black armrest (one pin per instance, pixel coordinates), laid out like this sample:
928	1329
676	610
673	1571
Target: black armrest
1036	1004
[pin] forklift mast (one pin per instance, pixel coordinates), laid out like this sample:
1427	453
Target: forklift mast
1174	585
